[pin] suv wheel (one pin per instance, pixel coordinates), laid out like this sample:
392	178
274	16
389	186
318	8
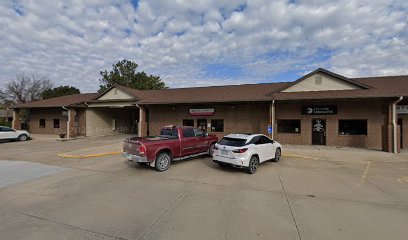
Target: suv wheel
22	137
163	161
253	165
278	155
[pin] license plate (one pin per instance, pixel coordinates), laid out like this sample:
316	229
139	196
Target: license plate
224	152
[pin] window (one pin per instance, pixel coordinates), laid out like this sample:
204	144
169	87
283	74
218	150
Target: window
188	132
6	129
266	140
255	140
188	122
42	123
56	123
169	133
353	127
235	142
217	125
289	126
198	133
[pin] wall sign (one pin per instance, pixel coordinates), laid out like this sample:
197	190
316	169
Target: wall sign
201	111
319	110
270	129
402	109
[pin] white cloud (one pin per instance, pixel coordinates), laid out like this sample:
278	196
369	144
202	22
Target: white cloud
71	41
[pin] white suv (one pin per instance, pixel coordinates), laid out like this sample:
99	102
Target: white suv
7	133
246	151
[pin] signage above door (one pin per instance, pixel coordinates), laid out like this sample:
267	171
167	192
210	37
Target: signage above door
319	110
201	111
402	109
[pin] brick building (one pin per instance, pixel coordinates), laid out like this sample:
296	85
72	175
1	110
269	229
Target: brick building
321	108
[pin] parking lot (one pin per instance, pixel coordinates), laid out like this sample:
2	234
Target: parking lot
312	193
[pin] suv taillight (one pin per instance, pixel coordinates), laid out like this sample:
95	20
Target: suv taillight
142	149
242	150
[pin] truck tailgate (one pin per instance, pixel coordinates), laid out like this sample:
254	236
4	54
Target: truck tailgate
131	145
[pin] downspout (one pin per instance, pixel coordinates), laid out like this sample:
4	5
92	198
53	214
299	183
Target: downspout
69	119
394	124
273	118
139	125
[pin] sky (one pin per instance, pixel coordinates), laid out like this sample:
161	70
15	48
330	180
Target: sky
202	43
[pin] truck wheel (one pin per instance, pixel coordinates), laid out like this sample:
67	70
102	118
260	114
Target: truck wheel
22	137
163	161
211	149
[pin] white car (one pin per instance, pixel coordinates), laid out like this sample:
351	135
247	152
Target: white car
7	133
246	151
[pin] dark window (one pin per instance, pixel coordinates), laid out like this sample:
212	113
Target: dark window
56	123
169	133
6	129
266	140
256	140
217	125
235	142
188	132
353	127
198	133
42	123
188	122
289	126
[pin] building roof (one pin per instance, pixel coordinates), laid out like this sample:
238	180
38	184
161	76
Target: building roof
231	93
58	101
379	87
369	87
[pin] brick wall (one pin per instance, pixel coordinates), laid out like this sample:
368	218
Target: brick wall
373	110
238	118
49	114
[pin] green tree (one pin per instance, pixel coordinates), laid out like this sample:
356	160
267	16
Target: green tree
59	91
124	73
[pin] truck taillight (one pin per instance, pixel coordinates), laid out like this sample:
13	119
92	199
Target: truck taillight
142	149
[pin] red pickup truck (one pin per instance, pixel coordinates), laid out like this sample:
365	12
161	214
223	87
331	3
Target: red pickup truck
173	143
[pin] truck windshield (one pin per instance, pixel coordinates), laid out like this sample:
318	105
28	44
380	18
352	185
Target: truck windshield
235	142
169	133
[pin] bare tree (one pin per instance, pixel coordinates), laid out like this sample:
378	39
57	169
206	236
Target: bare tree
24	89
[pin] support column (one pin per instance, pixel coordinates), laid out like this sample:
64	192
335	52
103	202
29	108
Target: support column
142	128
391	130
71	123
16	124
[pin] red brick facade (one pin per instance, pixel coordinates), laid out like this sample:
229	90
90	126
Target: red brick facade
241	118
374	111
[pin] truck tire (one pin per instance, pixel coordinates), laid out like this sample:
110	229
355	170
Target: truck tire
163	161
211	149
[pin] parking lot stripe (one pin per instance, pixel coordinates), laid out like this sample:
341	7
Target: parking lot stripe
88	155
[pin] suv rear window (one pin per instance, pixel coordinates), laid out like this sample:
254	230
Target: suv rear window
235	142
168	132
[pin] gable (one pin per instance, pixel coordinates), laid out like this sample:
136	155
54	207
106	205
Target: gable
321	82
114	94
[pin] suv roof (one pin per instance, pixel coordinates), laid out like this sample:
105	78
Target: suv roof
243	135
